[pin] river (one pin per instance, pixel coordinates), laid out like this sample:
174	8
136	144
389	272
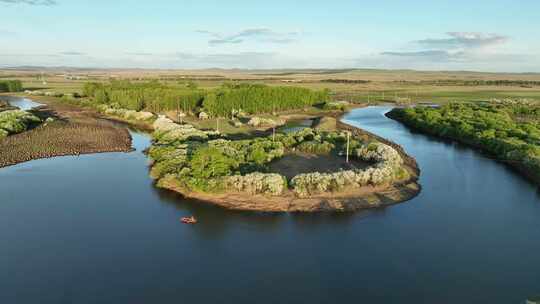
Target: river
93	229
21	103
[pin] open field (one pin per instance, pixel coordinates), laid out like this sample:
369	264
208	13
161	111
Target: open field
355	85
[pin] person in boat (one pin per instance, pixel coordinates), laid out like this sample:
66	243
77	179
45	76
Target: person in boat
189	220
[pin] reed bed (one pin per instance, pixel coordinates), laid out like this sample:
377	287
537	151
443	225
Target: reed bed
64	137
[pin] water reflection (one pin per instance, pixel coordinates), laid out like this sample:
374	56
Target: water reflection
22	103
94	229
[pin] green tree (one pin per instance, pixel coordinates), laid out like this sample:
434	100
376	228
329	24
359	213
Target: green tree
210	162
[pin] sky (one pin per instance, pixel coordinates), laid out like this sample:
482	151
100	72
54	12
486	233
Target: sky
480	35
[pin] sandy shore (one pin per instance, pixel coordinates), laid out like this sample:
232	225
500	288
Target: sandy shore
353	200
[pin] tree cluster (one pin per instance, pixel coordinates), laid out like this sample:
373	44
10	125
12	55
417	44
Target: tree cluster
151	96
494	128
10	86
156	97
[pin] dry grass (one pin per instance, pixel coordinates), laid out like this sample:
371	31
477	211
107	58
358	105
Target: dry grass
383	85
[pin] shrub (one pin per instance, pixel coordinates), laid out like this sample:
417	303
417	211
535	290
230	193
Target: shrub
210	162
16	121
258	183
316	147
335	106
386	168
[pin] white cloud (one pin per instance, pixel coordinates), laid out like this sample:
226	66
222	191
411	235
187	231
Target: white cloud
429	54
468	47
31	2
264	35
72	53
466	40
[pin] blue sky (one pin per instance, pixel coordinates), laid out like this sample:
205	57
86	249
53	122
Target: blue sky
480	35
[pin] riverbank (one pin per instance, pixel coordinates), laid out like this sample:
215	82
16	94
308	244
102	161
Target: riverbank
507	151
72	131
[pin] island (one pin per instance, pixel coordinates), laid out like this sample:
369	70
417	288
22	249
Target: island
245	174
331	166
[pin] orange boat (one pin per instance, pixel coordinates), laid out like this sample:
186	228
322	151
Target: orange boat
189	220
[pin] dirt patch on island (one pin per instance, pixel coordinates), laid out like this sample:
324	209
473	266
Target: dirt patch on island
293	164
74	131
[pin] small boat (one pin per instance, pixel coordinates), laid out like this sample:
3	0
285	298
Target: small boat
189	220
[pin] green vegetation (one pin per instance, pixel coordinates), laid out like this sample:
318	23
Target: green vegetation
335	106
507	130
126	115
222	102
211	162
255	99
152	96
16	121
10	86
353	85
316	147
387	167
201	161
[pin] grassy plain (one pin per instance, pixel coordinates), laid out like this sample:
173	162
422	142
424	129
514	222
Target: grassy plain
359	85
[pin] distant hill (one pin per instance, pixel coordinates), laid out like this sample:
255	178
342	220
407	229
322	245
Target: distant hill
292	74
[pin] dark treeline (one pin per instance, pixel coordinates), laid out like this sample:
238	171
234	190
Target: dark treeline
351	81
459	82
491	127
157	97
190	77
304	71
11	86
